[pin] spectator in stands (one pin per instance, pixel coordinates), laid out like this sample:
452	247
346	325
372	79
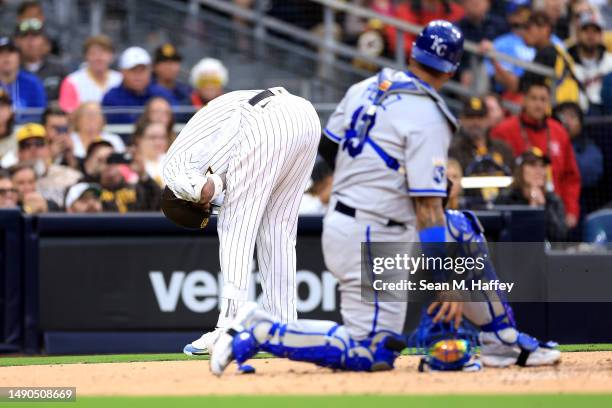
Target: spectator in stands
534	128
158	110
53	179
30	200
208	78
477	25
505	74
34	46
151	141
136	88
57	126
121	195
588	155
8	192
28	10
83	198
454	174
537	35
496	112
316	198
25	89
529	188
421	12
95	160
557	12
593	62
166	69
8	144
88	125
94	79
476	152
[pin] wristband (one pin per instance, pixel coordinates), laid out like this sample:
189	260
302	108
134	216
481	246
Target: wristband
218	182
433	245
433	234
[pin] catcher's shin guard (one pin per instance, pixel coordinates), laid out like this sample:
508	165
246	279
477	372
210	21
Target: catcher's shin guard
502	344
324	343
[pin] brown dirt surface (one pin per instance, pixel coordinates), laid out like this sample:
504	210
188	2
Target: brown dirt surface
583	372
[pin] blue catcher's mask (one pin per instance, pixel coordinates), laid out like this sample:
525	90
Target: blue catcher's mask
444	347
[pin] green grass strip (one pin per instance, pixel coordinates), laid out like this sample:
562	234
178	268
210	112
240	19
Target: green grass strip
349	401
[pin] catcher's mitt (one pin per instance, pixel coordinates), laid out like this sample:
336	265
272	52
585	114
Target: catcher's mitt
184	213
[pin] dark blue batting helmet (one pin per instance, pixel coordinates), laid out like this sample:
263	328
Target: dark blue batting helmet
439	46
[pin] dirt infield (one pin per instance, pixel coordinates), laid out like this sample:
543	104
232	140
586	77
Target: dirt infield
584	372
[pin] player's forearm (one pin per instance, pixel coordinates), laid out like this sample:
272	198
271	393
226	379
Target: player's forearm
429	212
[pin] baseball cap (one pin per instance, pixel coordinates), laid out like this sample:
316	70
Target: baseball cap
134	56
167	52
76	191
514	5
29	131
208	70
475	107
532	155
29	26
7	44
590	19
5	98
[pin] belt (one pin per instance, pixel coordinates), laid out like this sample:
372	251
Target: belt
260	97
350	211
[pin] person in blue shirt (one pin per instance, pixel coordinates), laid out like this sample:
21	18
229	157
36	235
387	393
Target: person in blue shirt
507	75
135	90
25	89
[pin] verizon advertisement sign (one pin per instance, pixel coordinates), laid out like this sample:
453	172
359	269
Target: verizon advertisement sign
156	283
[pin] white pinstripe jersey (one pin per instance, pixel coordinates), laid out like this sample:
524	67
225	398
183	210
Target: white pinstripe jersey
204	143
409	127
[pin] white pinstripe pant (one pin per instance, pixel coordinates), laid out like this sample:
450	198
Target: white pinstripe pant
268	171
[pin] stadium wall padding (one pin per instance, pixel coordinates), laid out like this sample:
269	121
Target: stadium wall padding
106	283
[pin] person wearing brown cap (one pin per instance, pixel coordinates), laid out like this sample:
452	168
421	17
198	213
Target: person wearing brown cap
25	89
529	188
166	69
593	61
473	145
35	48
53	179
477	153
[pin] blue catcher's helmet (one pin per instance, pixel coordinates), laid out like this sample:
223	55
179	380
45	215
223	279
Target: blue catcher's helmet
439	46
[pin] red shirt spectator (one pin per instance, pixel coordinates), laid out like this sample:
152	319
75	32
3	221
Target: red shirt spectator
422	12
532	128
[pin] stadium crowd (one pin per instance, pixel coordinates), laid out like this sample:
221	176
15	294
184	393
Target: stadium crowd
67	161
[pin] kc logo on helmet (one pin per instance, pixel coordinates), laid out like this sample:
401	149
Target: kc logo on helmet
438	45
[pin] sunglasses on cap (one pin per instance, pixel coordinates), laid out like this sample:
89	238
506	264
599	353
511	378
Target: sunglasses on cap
31	143
30	25
5	191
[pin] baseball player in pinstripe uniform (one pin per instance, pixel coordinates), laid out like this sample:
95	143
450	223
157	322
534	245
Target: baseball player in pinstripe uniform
392	132
258	147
